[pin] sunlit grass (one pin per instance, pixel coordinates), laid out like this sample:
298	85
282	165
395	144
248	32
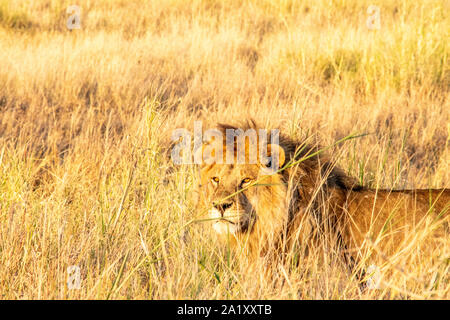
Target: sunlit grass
86	118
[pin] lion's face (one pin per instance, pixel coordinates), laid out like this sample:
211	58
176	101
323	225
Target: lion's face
241	197
232	196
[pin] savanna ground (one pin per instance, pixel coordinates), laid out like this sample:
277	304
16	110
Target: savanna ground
86	115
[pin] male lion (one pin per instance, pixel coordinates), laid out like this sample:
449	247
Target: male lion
268	210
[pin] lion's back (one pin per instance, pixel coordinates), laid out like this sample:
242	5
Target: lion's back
388	217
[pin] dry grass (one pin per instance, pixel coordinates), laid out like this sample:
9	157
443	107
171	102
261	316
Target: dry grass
84	116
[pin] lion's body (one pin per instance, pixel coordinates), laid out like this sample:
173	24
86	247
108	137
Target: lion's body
280	209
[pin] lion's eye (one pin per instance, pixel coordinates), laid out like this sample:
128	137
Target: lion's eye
215	179
245	181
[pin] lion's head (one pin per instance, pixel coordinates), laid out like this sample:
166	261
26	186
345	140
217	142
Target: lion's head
243	188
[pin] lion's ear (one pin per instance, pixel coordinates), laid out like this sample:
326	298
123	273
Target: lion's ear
276	155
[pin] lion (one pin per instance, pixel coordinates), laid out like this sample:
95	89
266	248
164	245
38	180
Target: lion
266	209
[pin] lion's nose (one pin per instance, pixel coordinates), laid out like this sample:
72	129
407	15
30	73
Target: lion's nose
223	206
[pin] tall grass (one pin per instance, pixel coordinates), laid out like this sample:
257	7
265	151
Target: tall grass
86	116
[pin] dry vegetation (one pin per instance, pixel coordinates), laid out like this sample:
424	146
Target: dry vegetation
85	115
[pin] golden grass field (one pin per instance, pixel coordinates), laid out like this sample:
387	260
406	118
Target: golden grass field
86	117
